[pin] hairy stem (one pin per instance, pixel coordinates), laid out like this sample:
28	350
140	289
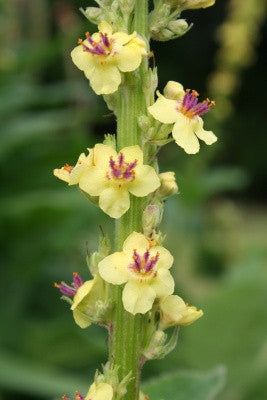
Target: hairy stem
127	328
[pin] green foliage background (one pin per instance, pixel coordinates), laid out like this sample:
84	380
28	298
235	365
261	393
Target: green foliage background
216	227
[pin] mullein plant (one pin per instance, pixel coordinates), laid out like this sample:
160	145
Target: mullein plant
131	291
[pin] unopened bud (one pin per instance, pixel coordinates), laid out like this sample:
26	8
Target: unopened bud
110	140
168	185
152	216
178	27
94	14
174	91
155	348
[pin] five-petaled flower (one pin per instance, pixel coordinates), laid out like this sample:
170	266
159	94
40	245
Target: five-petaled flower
84	297
144	267
104	55
174	311
72	175
184	112
114	175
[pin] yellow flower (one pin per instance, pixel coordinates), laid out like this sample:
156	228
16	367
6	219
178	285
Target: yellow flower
114	175
72	175
184	112
100	391
104	55
174	311
88	299
144	268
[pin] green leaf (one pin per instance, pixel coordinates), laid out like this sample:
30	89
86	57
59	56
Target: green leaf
25	377
186	385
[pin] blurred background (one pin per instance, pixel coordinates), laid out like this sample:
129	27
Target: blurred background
216	228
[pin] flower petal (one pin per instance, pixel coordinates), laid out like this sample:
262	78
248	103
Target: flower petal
137	297
164	110
183	133
62	174
82	59
133	152
129	57
81	319
122	37
105	27
93	181
146	181
163	283
207	136
136	241
102	154
172	305
83	163
113	268
104	78
114	201
165	258
83	291
100	391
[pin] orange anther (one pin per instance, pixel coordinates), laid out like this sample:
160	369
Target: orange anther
57	286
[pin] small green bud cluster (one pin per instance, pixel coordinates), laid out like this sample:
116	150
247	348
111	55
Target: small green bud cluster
115	12
165	23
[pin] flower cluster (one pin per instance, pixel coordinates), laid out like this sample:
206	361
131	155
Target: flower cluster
112	178
105	55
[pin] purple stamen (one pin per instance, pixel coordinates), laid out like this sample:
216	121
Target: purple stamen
143	264
191	107
66	289
105	40
151	264
121	159
77	280
100	48
122	169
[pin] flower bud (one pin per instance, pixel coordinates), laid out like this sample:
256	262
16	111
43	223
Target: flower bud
152	216
155	348
168	184
174	90
178	27
174	311
93	14
110	140
103	251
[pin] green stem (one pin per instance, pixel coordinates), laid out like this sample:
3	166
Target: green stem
127	329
